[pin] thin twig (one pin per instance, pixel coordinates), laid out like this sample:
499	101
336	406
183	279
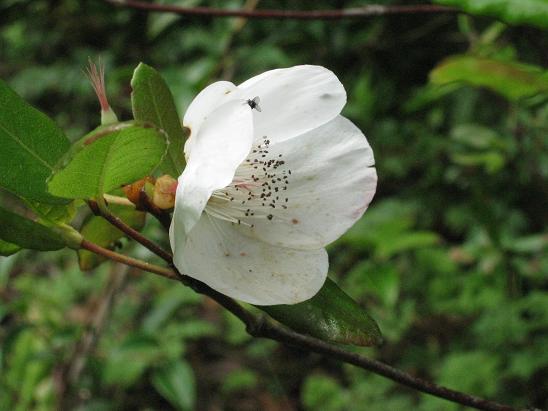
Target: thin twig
263	327
286	336
133	262
130	232
356	12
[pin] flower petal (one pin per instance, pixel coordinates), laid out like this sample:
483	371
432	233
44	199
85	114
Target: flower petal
249	270
294	100
209	99
222	143
331	184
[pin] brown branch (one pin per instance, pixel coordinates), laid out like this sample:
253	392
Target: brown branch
260	326
130	232
124	259
286	336
355	13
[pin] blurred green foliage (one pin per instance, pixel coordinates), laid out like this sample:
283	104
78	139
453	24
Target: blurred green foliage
451	259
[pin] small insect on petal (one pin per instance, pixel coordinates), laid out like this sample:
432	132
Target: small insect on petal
254	103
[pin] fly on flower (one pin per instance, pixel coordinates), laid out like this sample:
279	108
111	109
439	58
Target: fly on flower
254	103
261	196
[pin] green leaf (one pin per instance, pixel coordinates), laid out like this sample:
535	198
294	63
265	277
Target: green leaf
25	369
107	159
382	281
533	12
99	231
322	392
153	102
512	80
407	241
31	144
26	233
52	212
7	249
239	380
126	363
330	315
175	382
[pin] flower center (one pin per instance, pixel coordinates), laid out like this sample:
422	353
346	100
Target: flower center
257	190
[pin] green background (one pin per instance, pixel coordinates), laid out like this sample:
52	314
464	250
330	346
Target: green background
451	258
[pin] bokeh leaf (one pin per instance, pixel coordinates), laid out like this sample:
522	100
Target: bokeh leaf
512	80
330	315
128	361
26	233
30	146
99	231
107	159
25	369
533	12
388	230
153	102
176	383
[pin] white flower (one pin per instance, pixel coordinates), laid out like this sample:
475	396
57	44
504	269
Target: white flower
264	192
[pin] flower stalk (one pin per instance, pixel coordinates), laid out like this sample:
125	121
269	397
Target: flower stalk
100	208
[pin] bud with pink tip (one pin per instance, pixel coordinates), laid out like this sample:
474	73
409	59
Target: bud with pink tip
96	74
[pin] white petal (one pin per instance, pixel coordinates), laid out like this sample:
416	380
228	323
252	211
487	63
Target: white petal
294	100
331	184
207	101
222	143
249	270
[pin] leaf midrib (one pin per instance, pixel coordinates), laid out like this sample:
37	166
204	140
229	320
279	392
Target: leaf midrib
161	120
24	146
104	165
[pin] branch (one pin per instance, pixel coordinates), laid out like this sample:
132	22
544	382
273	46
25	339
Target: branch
260	326
286	336
130	232
124	259
355	13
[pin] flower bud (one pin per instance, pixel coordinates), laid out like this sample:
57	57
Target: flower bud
97	78
164	192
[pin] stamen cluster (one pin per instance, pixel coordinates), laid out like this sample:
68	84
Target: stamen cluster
256	189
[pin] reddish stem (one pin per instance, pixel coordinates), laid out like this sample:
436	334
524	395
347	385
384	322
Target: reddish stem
357	12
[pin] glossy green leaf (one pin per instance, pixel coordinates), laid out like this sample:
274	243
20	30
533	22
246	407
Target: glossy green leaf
153	102
107	159
176	383
512	80
7	248
27	233
330	315
99	231
532	12
30	146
